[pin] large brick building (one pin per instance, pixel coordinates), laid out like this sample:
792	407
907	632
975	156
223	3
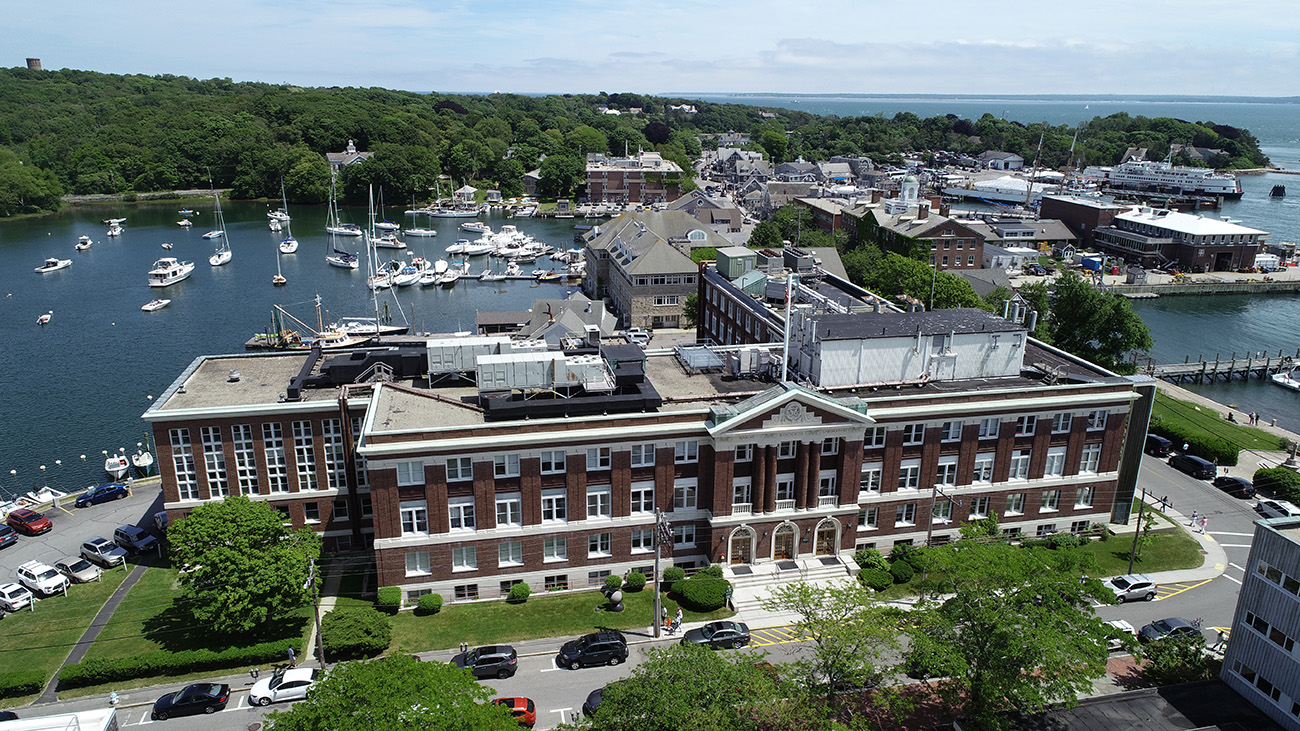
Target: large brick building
646	178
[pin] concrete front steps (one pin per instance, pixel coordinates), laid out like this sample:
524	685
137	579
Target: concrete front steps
751	584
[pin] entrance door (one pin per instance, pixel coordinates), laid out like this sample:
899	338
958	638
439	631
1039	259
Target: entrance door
783	544
742	547
825	540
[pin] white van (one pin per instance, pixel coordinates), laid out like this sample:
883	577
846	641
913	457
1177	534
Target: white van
1277	509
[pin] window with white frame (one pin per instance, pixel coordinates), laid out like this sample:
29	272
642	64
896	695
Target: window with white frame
417	563
827	484
785	488
643	497
875	437
946	471
979	508
415	518
1083	497
950	432
1019	465
553	462
510	510
913	434
643	540
684	495
1051	500
1025	426
555	506
598	502
598	545
187	482
785	450
1090	460
830	445
277	476
304	451
686	451
989	428
643	455
464	558
510	553
983	472
667	300
335	460
461	512
1046	529
340	510
867	518
505	465
909	474
460	469
905	514
745	453
683	536
942	512
410	473
1055	465
597	458
741	492
1061	423
555	548
311	512
214	460
1016	503
870	481
245	458
1096	420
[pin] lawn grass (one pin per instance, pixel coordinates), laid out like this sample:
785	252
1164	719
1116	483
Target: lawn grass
1211	422
1166	552
543	615
41	639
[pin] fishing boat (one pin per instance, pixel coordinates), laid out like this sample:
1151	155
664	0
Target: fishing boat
116	465
476	227
289	244
367	326
155	305
53	265
185	223
142	460
114	230
168	271
43	319
84	243
168	245
222	255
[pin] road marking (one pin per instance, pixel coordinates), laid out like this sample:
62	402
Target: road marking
1239	568
1233	579
1235	545
1171	590
1226	533
554	666
774	636
562	711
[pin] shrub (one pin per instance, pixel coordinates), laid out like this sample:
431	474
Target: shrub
635	581
1278	481
519	593
1198	443
429	604
1103	533
613	583
154	664
909	554
1062	540
389	598
360	632
1035	542
870	558
878	579
673	574
21	682
901	571
713	571
702	594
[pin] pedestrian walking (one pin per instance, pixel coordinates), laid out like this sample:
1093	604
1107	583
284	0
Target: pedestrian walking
1185	447
1223	640
1193	520
1205	524
293	659
677	621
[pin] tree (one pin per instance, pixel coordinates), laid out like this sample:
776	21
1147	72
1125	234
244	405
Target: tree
1176	660
765	234
1018	632
397	693
560	175
691	309
242	566
894	274
851	634
1094	325
775	144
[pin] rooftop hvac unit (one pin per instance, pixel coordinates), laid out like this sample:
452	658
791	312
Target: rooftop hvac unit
453	355
516	371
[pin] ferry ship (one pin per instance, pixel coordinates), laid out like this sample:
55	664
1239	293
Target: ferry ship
1164	177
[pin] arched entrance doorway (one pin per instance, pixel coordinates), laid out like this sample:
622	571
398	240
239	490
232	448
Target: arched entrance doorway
784	542
826	541
740	547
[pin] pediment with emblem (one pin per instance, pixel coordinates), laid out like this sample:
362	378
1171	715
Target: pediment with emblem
789	409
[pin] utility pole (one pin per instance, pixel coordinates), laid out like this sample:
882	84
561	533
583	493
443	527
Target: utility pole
929	531
315	602
1133	551
663	533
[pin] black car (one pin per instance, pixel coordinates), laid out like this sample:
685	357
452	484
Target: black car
597	648
719	634
1158	446
8	536
192	699
1238	487
101	494
492	661
1201	469
594	698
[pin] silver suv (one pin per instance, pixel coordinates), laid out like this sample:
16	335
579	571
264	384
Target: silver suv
1130	587
41	578
1277	509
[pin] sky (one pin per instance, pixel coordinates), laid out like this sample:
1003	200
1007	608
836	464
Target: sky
1193	47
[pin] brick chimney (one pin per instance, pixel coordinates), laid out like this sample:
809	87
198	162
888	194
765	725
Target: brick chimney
33	64
923	210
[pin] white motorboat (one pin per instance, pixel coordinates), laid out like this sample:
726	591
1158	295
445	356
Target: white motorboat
142	460
168	245
1289	380
476	227
466	247
280	214
114	230
84	243
187	212
53	265
410	273
113	221
43	319
155	305
116	465
223	254
429	278
490	276
366	326
215	233
46	495
185	223
388	241
168	271
275	226
387	225
425	232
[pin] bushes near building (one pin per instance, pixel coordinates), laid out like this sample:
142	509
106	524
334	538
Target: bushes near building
635	581
1279	481
389	598
355	632
519	593
429	604
154	664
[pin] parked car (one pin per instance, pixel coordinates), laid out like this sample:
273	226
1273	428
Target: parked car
1277	509
491	661
192	699
1158	446
42	578
1238	487
161	520
598	648
101	494
1201	469
8	716
28	521
1123	627
103	552
8	536
135	539
638	336
1132	586
14	597
594	698
1167	627
78	569
283	685
718	634
523	709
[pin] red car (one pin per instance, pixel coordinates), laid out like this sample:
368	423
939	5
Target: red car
523	709
29	521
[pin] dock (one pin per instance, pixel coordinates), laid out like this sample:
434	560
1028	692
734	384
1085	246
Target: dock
1256	365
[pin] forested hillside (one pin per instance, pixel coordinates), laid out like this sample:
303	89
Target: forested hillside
81	132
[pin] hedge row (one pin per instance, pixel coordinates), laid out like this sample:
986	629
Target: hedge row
155	664
1279	481
1199	443
21	682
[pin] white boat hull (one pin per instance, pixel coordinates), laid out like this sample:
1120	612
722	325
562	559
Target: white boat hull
426	232
289	246
343	231
1287	380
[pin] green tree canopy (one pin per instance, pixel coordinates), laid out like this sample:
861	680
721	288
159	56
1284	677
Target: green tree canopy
894	274
560	176
25	188
1095	325
242	566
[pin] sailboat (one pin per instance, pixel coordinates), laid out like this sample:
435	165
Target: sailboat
383	224
222	255
278	280
332	223
289	245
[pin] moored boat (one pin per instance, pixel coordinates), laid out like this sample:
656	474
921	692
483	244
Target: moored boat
185	223
476	227
53	265
116	465
114	230
84	243
168	271
142	460
223	254
155	305
1289	380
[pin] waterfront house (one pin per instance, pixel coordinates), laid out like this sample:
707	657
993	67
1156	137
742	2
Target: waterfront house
999	160
349	156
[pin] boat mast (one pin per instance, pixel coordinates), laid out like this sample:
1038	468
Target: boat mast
374	291
1029	186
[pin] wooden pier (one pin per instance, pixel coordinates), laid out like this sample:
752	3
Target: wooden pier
1255	365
